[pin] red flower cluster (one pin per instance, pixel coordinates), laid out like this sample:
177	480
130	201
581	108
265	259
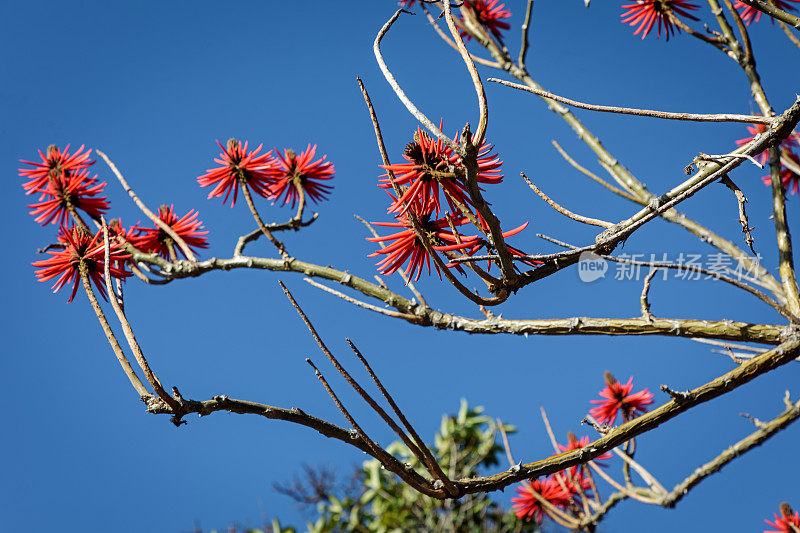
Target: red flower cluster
432	168
54	164
489	14
293	172
750	14
789	178
81	251
787	522
618	397
64	184
433	165
576	444
648	13
239	166
558	490
156	240
268	176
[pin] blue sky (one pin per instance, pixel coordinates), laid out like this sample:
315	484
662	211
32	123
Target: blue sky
155	85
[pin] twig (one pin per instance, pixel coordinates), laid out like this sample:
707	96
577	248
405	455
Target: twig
267	233
366	397
112	339
563	210
292	224
446	38
483	109
431	461
126	326
388	461
359	303
149	214
741	200
747	119
746	444
595	177
425	121
523	47
645	304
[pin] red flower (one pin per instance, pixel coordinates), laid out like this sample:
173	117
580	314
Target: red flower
790	180
646	13
293	171
406	246
81	250
156	240
55	164
406	3
431	166
69	190
527	506
750	14
618	397
755	129
576	444
239	166
786	519
489	15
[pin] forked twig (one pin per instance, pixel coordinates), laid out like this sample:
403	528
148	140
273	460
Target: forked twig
149	214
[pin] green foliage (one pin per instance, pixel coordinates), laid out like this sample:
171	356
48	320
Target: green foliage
465	443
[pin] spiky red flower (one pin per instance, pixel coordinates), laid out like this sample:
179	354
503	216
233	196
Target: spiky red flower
488	14
785	521
239	166
619	397
575	444
54	164
526	506
156	240
69	191
406	246
750	14
788	143
646	13
293	171
432	166
789	179
81	251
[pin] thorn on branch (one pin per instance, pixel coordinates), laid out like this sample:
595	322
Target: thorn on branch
678	396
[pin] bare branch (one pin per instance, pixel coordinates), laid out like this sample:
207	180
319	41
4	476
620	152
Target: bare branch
149	214
563	210
747	119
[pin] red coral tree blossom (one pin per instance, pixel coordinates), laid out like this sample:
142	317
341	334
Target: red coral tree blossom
489	14
433	166
527	506
407	246
156	240
647	13
81	253
750	14
787	522
618	397
295	172
56	163
574	444
239	166
67	193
